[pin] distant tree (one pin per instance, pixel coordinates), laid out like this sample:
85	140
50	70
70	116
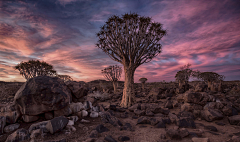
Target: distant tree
34	68
130	40
143	80
210	77
65	78
182	76
113	74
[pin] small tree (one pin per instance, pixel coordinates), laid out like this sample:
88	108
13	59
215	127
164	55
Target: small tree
182	76
131	40
65	78
34	68
113	74
143	80
210	77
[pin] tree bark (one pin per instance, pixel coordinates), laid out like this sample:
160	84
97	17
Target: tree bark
143	86
209	85
115	87
128	90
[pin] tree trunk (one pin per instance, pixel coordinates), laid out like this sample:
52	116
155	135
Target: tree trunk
128	88
209	85
115	87
143	86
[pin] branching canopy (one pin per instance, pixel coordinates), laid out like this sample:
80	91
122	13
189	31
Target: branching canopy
112	73
210	76
143	80
34	68
184	74
131	40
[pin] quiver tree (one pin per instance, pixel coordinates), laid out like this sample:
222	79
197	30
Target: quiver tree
143	80
210	77
130	40
182	76
113	74
34	68
65	78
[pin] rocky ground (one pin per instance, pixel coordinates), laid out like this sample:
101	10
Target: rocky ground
159	114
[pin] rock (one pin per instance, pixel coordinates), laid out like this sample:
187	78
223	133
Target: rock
76	107
139	112
127	126
160	124
96	109
35	133
168	104
87	105
194	139
135	106
49	115
123	138
220	123
2	124
235	139
186	114
149	113
70	128
192	97
106	117
100	129
173	117
84	113
42	94
12	127
173	134
190	107
57	124
94	134
234	120
211	128
227	110
18	136
158	109
11	116
94	114
143	120
211	115
63	112
185	122
213	105
77	88
70	122
39	125
28	118
109	138
62	140
73	118
183	132
85	121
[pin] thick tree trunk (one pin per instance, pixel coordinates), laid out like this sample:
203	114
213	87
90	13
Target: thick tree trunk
209	85
143	86
128	90
115	87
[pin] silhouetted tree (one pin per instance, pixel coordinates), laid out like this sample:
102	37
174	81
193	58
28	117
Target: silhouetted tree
113	74
182	76
65	78
34	68
143	80
130	40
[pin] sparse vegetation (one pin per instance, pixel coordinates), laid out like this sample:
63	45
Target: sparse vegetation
143	80
65	78
130	40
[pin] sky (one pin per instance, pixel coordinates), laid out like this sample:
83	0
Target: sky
204	33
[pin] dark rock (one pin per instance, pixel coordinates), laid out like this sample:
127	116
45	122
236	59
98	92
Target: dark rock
193	97
2	124
211	128
87	105
49	115
56	124
149	113
143	120
160	124
135	106
78	89
213	105
185	122
100	128
123	138
227	110
39	125
11	113
62	140
220	123
168	104
29	118
173	134
190	107
211	115
109	138
139	112
127	126
183	132
94	134
106	117
42	94
234	120
12	127
18	136
186	114
113	107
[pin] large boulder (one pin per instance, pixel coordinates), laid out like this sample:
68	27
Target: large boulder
11	112
78	89
211	114
42	94
18	136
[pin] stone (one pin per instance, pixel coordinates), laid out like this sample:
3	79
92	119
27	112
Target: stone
194	139
87	105
96	109
149	113
42	94
62	140
11	127
234	120
183	132
57	124
49	115
78	89
39	125
2	124
76	107
66	111
71	128
211	128
213	105
173	134
106	117
84	113
143	120
94	134
227	110
185	122
70	122
160	124
85	121
135	106
168	104
127	126
28	118
94	114
193	97
123	138
18	136
35	133
73	118
109	138
139	112
190	107
100	129
11	116
211	115
186	114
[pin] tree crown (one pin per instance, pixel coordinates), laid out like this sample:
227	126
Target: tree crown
112	73
143	80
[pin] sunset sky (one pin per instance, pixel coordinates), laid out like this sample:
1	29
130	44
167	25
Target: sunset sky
204	33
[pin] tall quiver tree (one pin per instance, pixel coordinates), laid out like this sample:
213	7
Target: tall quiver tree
182	76
34	68
143	81
130	40
113	74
